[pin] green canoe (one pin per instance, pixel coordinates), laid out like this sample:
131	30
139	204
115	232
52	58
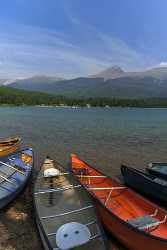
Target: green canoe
65	214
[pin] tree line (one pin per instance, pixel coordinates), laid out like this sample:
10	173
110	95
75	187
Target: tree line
16	97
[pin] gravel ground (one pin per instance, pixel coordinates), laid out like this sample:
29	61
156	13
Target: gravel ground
17	225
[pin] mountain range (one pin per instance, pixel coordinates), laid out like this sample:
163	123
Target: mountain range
111	82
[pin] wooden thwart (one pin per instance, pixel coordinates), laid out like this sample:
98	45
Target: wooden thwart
105	188
91	176
66	173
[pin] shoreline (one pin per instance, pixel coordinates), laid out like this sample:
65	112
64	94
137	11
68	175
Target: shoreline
80	107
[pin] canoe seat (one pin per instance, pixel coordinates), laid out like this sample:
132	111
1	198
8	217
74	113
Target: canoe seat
160	181
72	235
144	222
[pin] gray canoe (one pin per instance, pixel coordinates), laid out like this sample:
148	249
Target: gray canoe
14	173
65	213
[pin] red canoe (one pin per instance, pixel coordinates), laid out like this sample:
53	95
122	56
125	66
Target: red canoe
133	220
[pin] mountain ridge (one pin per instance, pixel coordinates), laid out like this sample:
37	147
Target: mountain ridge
112	82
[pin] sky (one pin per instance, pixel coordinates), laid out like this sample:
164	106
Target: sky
70	38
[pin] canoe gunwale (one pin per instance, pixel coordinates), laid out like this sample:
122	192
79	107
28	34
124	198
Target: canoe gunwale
151	165
150	169
18	190
38	222
118	218
15	141
145	176
9	149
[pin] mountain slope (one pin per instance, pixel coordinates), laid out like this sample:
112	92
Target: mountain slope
127	87
110	73
147	84
63	87
114	72
159	73
2	81
37	83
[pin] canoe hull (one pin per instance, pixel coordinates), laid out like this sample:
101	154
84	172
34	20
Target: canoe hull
45	246
117	209
10	149
60	200
125	234
15	179
5	201
140	182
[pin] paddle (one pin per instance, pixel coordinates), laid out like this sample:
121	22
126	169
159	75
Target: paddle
10	166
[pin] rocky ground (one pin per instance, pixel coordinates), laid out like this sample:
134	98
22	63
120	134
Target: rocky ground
17	224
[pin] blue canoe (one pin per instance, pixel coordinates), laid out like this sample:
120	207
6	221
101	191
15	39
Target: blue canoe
14	173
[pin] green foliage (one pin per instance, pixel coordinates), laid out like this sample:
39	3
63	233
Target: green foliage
17	97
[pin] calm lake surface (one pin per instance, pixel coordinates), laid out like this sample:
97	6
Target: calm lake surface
103	137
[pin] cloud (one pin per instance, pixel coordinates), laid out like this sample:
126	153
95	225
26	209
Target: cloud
27	50
37	50
159	65
105	46
162	64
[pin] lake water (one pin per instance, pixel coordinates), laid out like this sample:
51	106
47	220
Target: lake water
103	137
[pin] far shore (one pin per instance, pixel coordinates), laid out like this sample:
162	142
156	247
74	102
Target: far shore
81	106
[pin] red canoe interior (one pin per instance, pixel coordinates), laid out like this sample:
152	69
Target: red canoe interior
119	200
